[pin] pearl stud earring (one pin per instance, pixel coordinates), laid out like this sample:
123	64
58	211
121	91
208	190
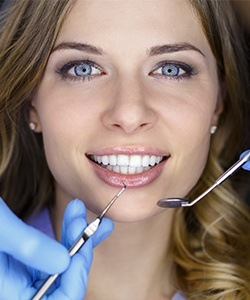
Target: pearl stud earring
32	126
213	129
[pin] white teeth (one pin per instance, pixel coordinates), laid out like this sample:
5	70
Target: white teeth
131	170
158	159
135	160
124	170
145	160
112	160
105	160
127	164
152	160
127	170
98	159
109	167
116	169
122	160
139	169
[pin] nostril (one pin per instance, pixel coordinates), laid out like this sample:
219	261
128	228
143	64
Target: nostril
129	117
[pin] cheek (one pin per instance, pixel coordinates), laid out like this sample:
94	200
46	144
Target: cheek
187	119
68	124
187	122
58	144
58	130
192	130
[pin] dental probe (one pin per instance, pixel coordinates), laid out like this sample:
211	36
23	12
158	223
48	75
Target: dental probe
87	233
178	202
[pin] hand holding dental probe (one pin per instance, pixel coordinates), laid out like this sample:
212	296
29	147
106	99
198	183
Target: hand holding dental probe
87	233
243	162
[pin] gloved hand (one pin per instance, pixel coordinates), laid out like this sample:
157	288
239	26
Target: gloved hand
27	256
246	166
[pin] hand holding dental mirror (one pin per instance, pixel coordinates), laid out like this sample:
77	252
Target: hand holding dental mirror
182	202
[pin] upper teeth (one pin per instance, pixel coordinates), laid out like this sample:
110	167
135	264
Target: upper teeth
127	160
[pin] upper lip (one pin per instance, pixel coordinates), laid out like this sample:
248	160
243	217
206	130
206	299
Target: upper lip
128	150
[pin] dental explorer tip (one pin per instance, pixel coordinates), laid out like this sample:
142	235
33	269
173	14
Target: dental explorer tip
112	201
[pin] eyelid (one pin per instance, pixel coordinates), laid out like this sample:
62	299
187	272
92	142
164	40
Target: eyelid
187	68
66	67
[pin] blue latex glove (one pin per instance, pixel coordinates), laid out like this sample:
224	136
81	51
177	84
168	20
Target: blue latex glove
246	166
27	256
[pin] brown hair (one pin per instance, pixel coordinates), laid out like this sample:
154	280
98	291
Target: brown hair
27	35
210	241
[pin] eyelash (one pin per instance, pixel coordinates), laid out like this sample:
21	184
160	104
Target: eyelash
184	71
64	70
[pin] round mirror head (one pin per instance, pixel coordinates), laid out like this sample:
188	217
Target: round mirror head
172	202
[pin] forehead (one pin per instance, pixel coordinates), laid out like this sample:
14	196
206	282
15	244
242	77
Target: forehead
133	23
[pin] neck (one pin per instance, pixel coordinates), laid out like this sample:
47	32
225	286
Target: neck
134	262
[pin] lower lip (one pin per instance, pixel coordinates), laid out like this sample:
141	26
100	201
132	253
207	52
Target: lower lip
132	181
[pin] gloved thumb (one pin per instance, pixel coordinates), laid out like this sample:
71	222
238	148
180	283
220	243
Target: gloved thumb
246	166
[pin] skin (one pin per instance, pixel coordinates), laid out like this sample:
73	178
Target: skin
128	103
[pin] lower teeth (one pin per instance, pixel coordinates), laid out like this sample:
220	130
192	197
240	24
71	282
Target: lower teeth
126	169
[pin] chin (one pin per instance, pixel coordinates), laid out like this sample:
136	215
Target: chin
134	214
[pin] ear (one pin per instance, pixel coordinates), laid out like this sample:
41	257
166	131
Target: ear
220	103
34	118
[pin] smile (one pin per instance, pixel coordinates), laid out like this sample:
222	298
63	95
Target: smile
134	166
127	164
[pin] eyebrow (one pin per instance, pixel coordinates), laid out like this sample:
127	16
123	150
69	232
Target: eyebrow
156	50
169	48
79	46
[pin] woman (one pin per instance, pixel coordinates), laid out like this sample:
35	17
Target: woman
86	88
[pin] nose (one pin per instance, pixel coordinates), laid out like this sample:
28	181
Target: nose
129	109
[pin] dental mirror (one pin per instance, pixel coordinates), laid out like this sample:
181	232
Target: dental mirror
182	202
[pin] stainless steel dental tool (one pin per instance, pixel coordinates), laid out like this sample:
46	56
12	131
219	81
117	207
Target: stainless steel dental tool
87	233
178	202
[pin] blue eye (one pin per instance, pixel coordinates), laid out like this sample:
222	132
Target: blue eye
84	69
173	70
79	70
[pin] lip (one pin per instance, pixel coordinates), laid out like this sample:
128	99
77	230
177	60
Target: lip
129	151
130	180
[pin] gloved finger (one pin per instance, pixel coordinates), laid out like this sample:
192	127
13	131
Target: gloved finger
73	282
73	231
76	227
16	282
75	209
103	231
72	227
246	166
61	288
29	245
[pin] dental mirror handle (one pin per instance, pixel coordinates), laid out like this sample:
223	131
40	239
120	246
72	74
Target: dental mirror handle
235	167
244	158
178	202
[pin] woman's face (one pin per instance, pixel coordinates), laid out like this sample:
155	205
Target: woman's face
129	95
